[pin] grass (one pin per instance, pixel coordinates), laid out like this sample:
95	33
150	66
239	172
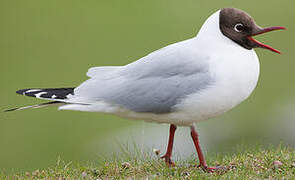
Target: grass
257	163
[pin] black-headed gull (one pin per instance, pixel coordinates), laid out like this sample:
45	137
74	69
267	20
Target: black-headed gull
181	84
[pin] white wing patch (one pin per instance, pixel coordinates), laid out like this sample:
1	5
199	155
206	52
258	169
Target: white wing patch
39	94
32	90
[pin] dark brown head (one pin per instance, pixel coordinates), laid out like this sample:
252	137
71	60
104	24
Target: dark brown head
240	27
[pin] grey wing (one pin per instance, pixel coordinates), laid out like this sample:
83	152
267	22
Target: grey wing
155	83
156	95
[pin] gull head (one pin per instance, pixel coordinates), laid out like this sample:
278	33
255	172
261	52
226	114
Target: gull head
240	27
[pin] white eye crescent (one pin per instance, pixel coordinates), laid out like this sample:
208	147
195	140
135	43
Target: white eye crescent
239	27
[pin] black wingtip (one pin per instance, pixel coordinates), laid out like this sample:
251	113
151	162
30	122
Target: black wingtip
22	91
49	93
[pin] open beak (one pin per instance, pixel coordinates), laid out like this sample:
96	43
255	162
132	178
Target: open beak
262	31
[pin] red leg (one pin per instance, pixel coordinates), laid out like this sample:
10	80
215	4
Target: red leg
202	160
168	153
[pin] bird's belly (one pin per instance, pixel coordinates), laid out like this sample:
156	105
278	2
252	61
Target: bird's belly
209	104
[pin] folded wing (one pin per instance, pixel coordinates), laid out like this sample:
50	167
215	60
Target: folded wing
155	83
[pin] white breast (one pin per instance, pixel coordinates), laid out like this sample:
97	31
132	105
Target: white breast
235	79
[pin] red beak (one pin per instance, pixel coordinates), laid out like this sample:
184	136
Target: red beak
262	31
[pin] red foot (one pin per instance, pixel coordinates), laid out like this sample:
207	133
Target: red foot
168	161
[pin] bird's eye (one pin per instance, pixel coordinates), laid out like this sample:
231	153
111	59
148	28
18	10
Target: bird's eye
239	27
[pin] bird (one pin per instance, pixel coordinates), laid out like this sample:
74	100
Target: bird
181	84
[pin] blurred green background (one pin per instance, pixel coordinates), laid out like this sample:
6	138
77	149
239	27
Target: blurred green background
52	44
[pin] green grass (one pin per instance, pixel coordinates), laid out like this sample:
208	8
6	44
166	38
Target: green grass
52	43
257	163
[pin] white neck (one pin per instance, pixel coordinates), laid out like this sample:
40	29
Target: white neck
210	34
211	26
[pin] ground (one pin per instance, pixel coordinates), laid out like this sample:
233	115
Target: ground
257	163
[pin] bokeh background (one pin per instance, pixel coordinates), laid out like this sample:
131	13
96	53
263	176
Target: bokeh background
52	44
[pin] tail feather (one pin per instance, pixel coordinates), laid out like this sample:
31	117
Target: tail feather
55	95
49	93
35	106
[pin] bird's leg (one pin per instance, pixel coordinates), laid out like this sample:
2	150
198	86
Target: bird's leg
202	160
168	153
